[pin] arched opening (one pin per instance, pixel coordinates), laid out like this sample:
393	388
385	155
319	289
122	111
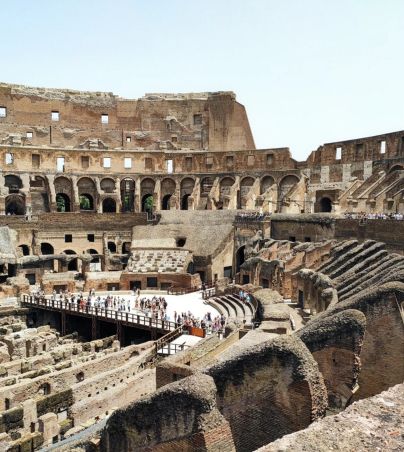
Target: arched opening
39	194
109	205
127	195
45	389
285	186
13	183
15	205
396	168
206	185
112	247
240	259
73	264
147	190
165	205
47	248
107	185
186	189
95	259
24	249
126	247
180	242
325	205
147	202
266	182
86	202
63	203
191	268
245	187
184	202
225	185
168	187
87	193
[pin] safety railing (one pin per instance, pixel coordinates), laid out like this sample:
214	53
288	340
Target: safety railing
100	313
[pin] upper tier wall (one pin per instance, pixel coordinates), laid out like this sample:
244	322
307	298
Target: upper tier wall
197	121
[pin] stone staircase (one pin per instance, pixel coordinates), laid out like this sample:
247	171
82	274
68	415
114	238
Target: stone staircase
233	308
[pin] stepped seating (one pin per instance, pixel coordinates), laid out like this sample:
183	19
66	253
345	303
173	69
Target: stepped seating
233	308
159	261
368	183
354	267
385	184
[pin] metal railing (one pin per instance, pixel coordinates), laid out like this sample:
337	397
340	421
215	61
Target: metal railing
100	313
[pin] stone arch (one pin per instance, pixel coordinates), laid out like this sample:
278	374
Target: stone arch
109	205
325	204
285	185
37	182
13	183
206	185
63	203
87	189
396	168
126	247
245	187
165	202
15	205
73	264
145	199
146	189
47	248
25	249
186	189
107	185
168	187
240	259
147	184
127	194
111	246
95	259
266	182
225	185
64	187
184	202
39	194
86	201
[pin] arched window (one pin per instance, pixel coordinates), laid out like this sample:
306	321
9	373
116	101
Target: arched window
86	202
112	247
63	202
109	205
15	205
24	249
47	248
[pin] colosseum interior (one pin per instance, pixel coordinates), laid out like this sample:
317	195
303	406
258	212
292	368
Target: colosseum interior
166	286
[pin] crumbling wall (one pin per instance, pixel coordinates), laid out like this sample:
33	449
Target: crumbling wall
269	390
335	343
180	416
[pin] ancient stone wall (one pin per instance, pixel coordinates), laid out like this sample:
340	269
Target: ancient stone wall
276	386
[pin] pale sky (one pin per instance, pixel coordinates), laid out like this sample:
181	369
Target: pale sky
307	71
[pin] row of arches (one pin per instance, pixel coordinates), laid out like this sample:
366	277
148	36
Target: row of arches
90	197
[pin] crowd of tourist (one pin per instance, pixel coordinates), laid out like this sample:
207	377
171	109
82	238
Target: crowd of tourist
373	216
250	216
244	296
154	307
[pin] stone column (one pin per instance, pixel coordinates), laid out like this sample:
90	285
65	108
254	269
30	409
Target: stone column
138	197
52	193
157	195
76	198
